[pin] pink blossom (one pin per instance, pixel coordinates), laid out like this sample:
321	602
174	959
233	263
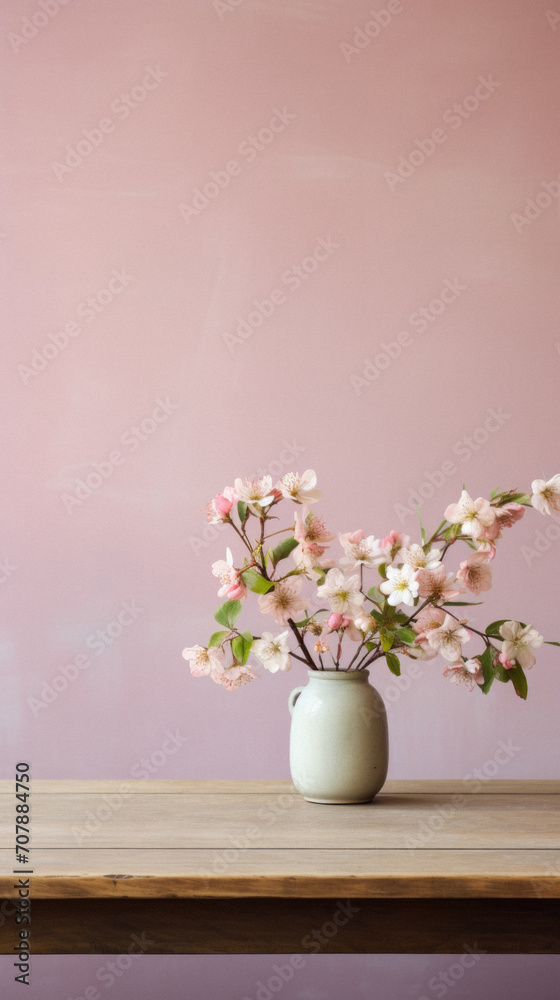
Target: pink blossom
334	621
475	573
488	547
204	661
393	543
437	583
449	638
419	650
506	664
472	515
222	503
219	507
519	643
506	516
546	495
232	585
467	672
284	601
234	677
428	619
360	551
310	529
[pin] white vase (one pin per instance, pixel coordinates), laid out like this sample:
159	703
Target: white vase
339	748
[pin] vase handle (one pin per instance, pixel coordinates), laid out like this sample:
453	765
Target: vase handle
293	698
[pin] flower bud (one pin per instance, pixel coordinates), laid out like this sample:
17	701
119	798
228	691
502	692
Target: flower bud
335	621
222	504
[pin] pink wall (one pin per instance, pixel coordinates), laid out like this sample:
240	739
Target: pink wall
170	94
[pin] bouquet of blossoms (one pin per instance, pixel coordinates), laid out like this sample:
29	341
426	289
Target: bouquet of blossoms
409	609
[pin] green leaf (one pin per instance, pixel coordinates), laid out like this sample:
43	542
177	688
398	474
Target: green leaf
256	582
382	570
517	675
422	532
406	635
400	617
304	621
241	646
228	613
549	642
370	646
375	595
494	627
461	604
242	511
387	639
379	618
501	674
439	527
522	498
393	663
217	638
283	550
486	662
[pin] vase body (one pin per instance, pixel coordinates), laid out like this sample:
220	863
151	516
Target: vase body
339	749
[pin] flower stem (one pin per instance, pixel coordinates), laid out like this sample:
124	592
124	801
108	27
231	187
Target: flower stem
301	644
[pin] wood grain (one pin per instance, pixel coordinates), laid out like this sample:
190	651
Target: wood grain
162	786
314	873
215	867
287	926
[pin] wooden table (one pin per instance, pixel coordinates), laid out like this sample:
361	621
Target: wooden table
217	867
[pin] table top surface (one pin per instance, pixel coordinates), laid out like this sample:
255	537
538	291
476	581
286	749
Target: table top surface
173	838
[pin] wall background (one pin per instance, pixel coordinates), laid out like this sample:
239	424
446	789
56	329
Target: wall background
93	212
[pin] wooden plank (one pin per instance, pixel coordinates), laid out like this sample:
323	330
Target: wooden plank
298	874
286	821
285	926
226	786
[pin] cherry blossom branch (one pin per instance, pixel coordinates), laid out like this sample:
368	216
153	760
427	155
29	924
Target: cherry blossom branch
487	638
301	644
242	536
375	654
